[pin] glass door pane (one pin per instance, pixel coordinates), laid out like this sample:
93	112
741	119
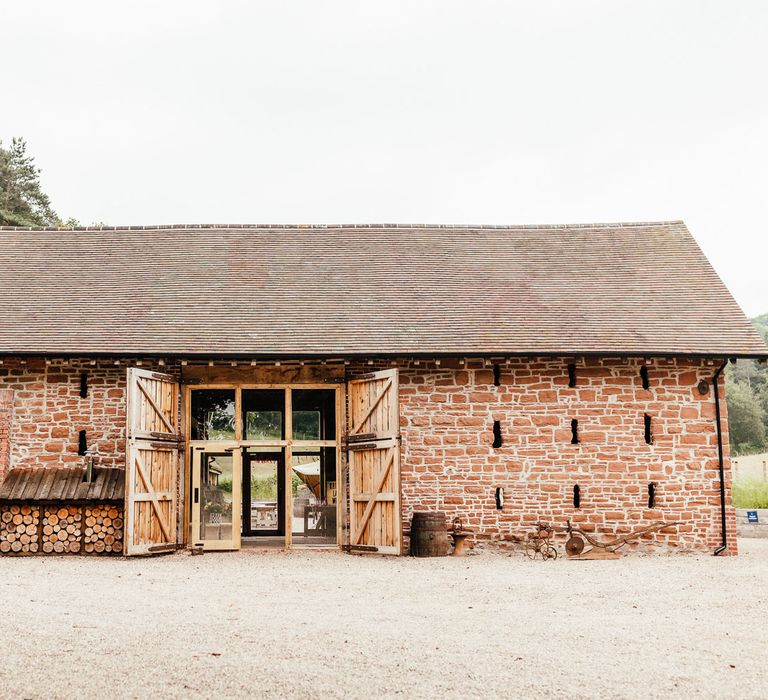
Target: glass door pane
216	498
263	493
315	497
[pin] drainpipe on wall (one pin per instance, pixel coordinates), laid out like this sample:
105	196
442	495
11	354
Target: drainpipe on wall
718	423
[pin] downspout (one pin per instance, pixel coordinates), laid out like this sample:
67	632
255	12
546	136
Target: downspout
718	423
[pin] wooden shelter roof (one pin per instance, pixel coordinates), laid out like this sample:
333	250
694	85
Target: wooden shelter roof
332	291
63	484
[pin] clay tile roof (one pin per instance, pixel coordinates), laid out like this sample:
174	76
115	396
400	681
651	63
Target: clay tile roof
62	484
636	289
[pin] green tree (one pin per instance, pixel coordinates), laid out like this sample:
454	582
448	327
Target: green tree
746	419
761	323
747	393
22	200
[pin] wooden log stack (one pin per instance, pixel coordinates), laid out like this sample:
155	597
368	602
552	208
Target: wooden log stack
61	528
103	529
19	529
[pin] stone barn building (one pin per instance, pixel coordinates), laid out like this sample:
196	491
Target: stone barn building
220	386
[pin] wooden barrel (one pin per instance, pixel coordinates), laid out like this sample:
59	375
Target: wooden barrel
429	535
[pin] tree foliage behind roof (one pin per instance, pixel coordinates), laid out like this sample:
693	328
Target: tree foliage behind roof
761	323
747	394
22	200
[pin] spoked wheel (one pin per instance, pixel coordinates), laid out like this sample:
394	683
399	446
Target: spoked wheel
549	552
532	551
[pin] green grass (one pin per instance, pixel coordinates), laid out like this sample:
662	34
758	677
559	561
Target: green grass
750	494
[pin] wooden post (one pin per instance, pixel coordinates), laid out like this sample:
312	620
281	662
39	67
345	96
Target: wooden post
341	488
288	468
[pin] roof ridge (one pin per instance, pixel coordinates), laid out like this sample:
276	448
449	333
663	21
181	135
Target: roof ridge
459	227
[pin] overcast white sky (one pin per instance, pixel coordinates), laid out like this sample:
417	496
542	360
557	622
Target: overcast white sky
428	112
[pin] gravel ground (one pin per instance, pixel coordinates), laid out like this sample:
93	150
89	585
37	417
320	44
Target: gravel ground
324	624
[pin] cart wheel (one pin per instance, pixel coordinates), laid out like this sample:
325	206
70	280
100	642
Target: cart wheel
550	552
574	546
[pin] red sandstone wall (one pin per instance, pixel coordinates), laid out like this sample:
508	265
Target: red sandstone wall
448	462
49	413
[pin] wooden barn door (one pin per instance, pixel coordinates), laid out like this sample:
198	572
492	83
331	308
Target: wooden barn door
152	462
374	463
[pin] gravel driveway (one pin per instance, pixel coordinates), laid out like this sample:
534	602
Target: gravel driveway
324	624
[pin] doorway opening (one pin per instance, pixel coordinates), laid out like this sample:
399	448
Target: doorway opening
263	494
265	463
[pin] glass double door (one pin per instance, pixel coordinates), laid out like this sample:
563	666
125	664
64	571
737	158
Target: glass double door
236	493
264	462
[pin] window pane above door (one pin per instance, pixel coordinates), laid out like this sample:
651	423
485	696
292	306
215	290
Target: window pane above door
314	414
212	414
263	411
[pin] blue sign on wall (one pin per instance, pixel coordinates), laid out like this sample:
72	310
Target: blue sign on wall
752	516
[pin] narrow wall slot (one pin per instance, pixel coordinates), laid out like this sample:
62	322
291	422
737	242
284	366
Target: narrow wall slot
576	496
83	385
647	426
499	498
496	375
574	432
497	441
571	376
82	443
652	495
644	377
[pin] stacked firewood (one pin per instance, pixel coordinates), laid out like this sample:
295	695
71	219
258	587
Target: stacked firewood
62	529
103	529
19	529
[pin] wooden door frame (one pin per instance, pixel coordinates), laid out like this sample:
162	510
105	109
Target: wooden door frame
237	462
286	444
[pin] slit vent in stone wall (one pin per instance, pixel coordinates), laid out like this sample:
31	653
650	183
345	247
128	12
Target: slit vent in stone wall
82	443
644	377
571	376
647	429
83	385
576	496
497	441
574	432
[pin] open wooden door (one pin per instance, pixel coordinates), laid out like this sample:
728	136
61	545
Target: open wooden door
373	444
152	462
